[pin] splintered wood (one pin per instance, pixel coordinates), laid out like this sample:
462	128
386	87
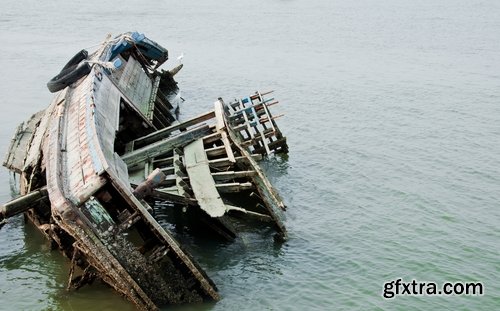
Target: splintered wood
218	159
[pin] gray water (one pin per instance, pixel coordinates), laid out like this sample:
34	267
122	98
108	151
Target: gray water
392	111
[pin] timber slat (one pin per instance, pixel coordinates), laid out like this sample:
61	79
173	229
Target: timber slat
201	179
161	147
166	132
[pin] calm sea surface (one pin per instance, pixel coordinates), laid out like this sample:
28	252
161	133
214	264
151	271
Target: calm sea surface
393	119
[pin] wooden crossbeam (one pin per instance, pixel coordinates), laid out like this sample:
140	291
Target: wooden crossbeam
234	187
230	175
218	163
166	132
166	145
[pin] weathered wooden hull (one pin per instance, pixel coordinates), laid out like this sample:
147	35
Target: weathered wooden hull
93	216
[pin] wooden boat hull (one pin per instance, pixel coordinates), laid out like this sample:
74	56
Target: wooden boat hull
91	213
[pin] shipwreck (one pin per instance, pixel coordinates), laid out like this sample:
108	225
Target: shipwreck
110	145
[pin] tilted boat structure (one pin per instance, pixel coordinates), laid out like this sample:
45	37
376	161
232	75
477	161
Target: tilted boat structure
110	143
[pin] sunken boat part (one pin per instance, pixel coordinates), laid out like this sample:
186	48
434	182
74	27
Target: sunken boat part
110	145
220	159
75	186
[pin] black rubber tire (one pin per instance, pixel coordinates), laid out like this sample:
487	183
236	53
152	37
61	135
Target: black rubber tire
68	77
75	60
71	73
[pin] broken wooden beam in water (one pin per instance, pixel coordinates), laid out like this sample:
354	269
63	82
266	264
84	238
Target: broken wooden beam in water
23	203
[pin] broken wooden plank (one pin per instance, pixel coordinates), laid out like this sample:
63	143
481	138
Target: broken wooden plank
202	183
166	132
260	216
234	187
168	170
163	161
22	203
161	147
20	143
162	195
216	151
230	175
218	163
220	127
211	138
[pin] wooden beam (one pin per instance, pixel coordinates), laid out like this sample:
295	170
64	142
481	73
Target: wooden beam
226	176
161	147
260	216
216	151
158	194
218	163
22	203
234	187
166	132
146	187
211	138
163	161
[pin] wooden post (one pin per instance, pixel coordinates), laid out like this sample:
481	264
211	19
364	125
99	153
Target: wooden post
146	187
22	203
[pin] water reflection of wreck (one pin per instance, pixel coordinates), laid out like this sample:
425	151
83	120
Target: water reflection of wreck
110	142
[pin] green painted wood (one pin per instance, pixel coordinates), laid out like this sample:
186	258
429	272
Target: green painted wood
202	183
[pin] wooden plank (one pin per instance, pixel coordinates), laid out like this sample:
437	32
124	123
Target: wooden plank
161	147
216	151
218	163
152	99
136	84
221	128
260	216
163	161
163	133
168	170
167	194
226	176
202	183
211	138
234	187
20	143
